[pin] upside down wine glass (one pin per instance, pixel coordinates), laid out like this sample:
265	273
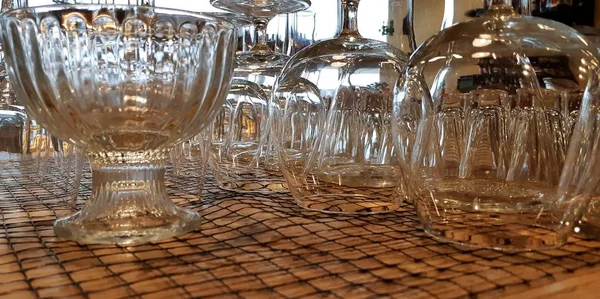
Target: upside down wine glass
260	65
331	111
488	152
125	83
242	154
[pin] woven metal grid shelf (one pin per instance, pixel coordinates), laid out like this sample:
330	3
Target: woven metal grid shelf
263	246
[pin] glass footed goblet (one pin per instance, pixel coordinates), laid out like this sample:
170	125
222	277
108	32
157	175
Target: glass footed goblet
124	83
485	173
260	65
336	145
237	142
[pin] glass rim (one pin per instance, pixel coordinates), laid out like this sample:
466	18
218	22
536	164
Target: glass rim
307	3
207	16
237	19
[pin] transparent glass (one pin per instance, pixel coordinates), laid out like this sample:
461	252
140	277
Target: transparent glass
331	115
580	180
262	8
121	2
278	33
290	33
189	161
260	65
244	26
238	142
485	172
125	86
27	150
28	153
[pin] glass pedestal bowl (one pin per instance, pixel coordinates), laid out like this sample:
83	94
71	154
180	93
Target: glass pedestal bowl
125	84
486	160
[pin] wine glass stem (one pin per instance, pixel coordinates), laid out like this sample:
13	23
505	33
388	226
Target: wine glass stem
350	17
260	37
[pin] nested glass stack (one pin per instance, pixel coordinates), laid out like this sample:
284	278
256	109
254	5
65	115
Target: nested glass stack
242	155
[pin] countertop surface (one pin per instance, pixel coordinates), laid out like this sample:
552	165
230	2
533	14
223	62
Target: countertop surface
261	245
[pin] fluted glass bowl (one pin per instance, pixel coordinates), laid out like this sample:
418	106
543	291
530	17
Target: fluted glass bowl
487	163
124	83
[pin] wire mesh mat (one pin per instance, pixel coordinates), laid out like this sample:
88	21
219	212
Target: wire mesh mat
261	246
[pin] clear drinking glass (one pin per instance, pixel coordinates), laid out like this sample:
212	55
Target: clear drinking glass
189	160
492	177
579	187
126	86
28	153
290	33
237	142
331	115
27	150
278	33
261	66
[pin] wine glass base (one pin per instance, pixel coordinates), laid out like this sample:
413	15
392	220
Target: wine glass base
352	204
272	186
478	229
260	61
256	180
127	231
261	8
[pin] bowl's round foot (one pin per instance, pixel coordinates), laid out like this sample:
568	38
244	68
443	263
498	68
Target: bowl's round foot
127	231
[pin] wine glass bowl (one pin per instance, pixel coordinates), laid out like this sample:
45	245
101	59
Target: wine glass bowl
124	83
485	173
331	117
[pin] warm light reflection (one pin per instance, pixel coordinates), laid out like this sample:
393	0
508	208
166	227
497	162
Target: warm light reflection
545	27
73	21
338	64
437	58
583	40
483	40
481	54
